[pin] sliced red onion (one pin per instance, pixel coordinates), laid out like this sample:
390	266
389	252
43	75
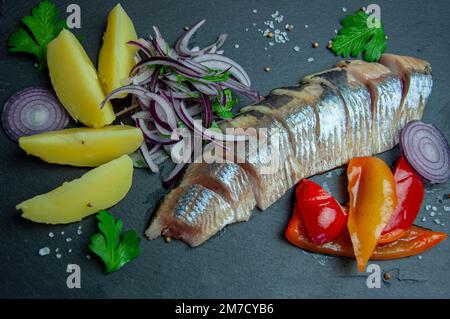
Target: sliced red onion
427	151
146	154
182	45
142	45
153	136
180	67
208	113
219	62
143	115
139	91
32	111
244	90
207	89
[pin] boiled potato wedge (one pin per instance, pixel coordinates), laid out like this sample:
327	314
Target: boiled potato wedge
76	83
100	188
116	57
83	146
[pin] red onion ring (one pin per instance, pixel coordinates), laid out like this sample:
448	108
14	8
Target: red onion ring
32	111
427	151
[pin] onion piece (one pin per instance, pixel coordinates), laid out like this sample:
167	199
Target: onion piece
222	63
146	154
32	111
182	45
426	150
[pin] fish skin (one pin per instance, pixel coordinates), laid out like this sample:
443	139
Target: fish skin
354	109
192	214
228	180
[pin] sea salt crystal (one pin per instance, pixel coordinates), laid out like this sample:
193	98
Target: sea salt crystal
427	207
58	256
56	250
44	251
236	46
344	9
424	219
79	232
68	239
434	208
255	11
51	235
62	233
296	48
271	44
274	15
310	59
70	250
437	221
246	29
254	24
432	214
419	257
447	208
306	26
88	257
335	31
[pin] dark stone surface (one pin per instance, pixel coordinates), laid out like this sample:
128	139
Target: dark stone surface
245	260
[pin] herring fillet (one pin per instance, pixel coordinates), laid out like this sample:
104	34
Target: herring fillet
354	109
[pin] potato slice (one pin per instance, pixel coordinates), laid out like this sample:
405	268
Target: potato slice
116	57
83	146
100	188
76	83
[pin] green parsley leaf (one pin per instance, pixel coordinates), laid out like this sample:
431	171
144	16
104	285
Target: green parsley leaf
224	111
215	127
114	248
216	76
42	27
357	38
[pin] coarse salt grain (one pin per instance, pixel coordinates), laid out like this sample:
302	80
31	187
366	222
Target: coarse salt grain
255	11
68	239
62	233
236	46
310	59
306	26
447	208
344	9
437	221
70	250
58	256
57	249
88	256
44	251
432	214
51	235
427	207
296	48
434	208
424	219
419	257
271	43
79	232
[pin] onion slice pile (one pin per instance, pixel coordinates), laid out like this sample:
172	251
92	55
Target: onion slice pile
181	88
32	111
427	150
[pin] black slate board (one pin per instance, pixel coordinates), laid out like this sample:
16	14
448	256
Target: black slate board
245	260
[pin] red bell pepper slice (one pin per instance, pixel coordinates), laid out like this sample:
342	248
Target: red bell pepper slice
324	218
410	191
415	240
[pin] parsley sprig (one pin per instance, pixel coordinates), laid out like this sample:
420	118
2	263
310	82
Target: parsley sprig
42	26
111	245
356	38
224	111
